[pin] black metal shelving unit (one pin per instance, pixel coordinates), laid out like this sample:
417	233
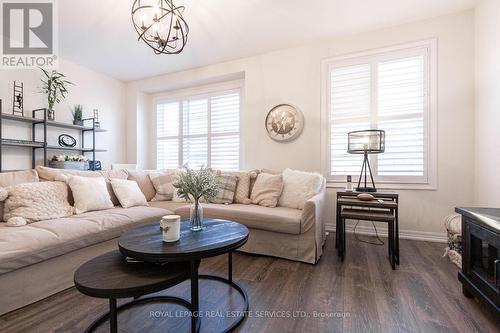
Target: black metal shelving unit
44	123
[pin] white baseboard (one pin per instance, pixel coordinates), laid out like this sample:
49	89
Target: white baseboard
403	234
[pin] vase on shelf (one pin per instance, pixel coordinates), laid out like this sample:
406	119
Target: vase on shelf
51	114
196	216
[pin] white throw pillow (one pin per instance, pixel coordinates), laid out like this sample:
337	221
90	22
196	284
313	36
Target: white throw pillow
89	193
298	187
128	193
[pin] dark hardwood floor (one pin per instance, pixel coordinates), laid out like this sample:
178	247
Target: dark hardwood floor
361	295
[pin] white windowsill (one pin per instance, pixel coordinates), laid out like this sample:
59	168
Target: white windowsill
388	186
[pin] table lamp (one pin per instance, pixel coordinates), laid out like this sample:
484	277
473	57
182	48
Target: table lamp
366	142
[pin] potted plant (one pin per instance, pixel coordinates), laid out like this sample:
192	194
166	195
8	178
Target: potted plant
77	113
54	85
76	162
193	185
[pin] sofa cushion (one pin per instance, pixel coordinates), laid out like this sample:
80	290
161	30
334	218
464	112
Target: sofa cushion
267	190
89	193
128	193
14	178
52	174
227	189
170	205
298	187
163	184
278	219
18	177
144	182
42	240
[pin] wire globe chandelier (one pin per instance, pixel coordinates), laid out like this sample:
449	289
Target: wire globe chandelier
159	23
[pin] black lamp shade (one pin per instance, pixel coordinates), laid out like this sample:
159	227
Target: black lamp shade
367	141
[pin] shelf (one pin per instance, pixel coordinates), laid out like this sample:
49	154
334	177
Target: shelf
84	150
22	144
59	124
9	116
71	126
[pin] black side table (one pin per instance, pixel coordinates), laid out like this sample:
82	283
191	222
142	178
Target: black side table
218	237
385	210
111	276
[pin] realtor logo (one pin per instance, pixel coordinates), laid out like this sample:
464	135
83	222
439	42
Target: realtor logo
28	34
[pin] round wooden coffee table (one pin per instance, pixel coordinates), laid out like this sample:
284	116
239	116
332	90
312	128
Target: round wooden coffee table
111	276
218	237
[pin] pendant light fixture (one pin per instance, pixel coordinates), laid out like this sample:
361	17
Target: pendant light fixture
159	23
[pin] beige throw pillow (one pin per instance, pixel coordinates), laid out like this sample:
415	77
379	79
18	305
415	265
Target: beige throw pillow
226	189
60	174
267	190
244	179
298	187
128	193
89	193
32	202
144	182
162	182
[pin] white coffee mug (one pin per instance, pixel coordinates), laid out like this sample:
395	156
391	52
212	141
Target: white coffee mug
171	228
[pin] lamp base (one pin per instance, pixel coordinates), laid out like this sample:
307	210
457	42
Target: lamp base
366	189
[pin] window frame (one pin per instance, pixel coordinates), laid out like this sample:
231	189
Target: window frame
429	49
193	93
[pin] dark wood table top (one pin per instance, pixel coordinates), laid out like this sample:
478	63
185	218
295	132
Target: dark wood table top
363	203
487	217
218	237
378	194
111	276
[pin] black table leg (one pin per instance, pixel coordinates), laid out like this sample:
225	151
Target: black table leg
343	246
337	223
396	225
194	294
391	245
230	266
113	322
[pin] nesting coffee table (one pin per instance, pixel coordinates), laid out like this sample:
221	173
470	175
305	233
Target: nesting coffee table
218	237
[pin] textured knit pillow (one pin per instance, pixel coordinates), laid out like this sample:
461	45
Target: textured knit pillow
128	193
89	193
298	187
162	182
226	190
31	202
267	190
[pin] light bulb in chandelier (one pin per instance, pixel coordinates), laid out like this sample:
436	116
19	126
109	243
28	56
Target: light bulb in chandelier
160	24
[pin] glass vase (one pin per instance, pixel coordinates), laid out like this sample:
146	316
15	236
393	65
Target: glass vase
196	216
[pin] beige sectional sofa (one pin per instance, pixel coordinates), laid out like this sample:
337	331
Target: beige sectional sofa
39	259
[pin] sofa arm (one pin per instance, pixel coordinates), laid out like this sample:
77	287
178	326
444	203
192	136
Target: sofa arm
312	214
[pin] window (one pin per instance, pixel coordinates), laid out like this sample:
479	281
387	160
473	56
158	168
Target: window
199	130
392	90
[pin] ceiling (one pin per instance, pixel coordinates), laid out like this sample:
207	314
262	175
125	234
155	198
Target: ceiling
99	34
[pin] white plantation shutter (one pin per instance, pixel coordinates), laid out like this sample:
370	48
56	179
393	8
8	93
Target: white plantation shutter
195	133
388	91
167	133
225	128
350	111
209	128
401	99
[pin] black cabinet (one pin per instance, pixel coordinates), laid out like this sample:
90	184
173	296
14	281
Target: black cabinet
480	275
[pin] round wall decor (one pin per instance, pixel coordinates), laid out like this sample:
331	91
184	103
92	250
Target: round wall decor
284	123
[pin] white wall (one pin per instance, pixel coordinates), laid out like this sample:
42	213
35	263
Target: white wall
294	76
91	89
487	30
